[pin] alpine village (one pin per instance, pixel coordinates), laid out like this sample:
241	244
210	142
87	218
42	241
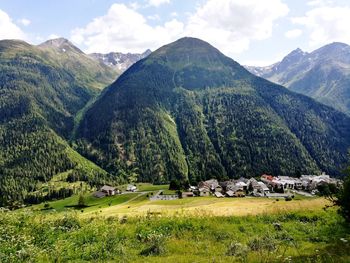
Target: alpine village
175	131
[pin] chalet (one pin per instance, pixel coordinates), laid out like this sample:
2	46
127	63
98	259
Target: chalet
209	184
131	188
204	192
263	188
242	185
217	188
288	182
109	190
192	188
259	188
235	193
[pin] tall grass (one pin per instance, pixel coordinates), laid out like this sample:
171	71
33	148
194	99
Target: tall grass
320	236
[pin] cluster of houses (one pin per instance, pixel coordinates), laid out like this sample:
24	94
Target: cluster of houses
267	186
107	190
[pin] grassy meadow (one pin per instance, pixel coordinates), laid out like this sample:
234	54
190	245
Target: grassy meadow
131	228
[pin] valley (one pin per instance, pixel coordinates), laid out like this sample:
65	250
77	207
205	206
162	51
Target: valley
176	155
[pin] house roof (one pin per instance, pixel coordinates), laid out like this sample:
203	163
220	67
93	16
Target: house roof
230	193
263	186
218	194
107	188
241	184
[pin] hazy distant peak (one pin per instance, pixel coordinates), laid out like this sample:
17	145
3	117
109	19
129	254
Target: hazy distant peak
62	44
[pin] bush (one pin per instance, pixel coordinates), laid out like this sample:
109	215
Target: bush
156	244
343	198
238	250
67	223
264	243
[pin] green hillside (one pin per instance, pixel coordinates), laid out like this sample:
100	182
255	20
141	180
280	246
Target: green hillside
189	112
41	92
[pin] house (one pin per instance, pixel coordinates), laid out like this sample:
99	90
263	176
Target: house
203	192
263	188
209	184
242	185
298	184
259	188
235	192
131	188
109	190
288	182
192	188
217	188
219	195
187	194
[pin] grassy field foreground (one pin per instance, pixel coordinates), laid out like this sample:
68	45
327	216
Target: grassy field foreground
295	236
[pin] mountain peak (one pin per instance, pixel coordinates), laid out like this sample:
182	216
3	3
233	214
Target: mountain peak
61	44
335	49
188	51
185	45
295	54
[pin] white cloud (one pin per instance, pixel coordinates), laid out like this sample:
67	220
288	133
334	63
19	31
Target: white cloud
229	25
326	24
157	3
154	17
232	24
135	5
320	2
9	30
24	21
294	33
125	30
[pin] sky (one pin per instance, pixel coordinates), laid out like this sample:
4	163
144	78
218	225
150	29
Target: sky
252	32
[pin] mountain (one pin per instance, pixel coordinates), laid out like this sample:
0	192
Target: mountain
119	61
189	112
323	74
42	90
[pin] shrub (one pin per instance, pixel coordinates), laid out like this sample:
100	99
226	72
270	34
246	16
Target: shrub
264	243
238	250
156	244
67	223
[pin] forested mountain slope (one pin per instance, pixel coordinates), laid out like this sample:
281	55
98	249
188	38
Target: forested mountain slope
189	112
42	88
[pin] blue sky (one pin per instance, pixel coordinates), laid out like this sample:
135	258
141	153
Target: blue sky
252	32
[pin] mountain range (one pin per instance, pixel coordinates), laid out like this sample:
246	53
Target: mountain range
189	112
323	74
183	112
119	61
